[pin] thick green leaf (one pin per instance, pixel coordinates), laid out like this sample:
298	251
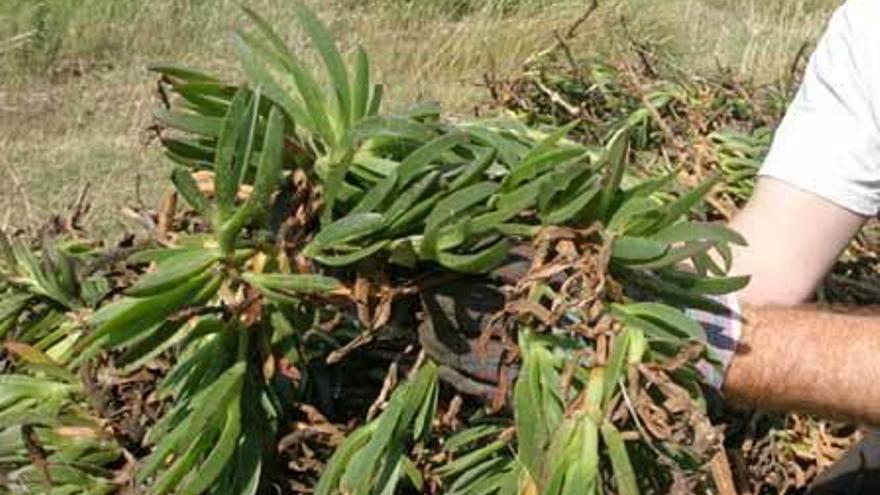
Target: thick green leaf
568	180
246	141
326	47
700	284
265	28
376	101
204	105
417	161
571	207
409	221
189	163
474	171
450	208
190	122
258	75
293	283
694	231
174	271
346	229
562	164
376	195
353	257
661	290
183	73
12	304
652	332
614	161
637	249
269	168
209	350
289	66
509	150
374	165
467	462
338	463
673	211
388	126
221	454
726	254
225	180
423	393
453	236
522	197
191	149
509	205
189	190
333	173
526	169
171	475
480	262
410	196
632	209
126	319
537	405
412	473
204	407
365	176
469	436
667	316
614	369
422	111
471	480
360	97
361	469
265	183
583	474
672	257
143	350
648	187
624	474
208	98
506	480
248	464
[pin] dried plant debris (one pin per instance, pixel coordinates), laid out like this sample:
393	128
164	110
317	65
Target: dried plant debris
698	126
722	126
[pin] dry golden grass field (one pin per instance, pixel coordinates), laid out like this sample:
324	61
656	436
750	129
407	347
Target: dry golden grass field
76	99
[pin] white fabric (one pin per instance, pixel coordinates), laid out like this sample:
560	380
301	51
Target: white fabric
829	141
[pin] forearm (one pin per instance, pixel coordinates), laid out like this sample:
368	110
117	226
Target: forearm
809	360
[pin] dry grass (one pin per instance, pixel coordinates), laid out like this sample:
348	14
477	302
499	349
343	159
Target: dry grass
75	113
754	38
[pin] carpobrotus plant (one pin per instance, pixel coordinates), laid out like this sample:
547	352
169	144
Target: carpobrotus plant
319	228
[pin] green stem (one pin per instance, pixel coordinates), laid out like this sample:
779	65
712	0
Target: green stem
595	391
243	342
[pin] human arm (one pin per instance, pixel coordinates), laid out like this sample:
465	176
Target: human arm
794	237
819	184
791	355
811	360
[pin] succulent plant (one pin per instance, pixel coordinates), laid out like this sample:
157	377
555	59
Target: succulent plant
322	216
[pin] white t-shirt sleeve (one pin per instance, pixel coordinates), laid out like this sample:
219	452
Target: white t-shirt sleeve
829	141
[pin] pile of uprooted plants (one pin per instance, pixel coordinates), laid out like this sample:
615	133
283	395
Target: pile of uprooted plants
322	272
698	128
